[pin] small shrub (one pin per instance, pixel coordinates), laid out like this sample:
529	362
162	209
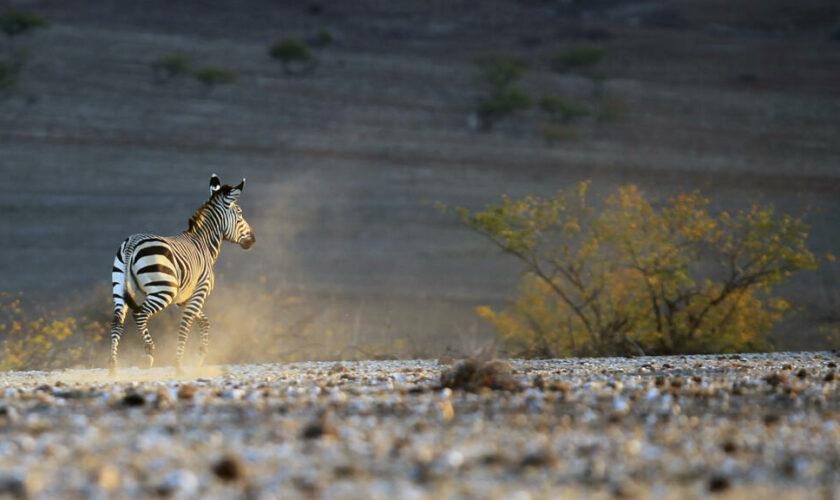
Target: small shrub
498	71
17	22
9	74
562	111
324	38
211	76
170	66
497	75
628	277
293	54
577	57
500	104
475	373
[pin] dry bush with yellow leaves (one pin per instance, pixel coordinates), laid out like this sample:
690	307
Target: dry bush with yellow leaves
628	277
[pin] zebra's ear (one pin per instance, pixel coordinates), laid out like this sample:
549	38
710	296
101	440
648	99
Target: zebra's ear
240	185
215	183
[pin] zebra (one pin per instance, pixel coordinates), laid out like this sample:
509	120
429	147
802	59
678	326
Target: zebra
151	272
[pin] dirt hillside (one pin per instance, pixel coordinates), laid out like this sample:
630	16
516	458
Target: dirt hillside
340	162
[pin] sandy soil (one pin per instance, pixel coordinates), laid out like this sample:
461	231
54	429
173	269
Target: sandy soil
669	427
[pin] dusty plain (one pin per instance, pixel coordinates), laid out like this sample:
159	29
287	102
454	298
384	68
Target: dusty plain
764	425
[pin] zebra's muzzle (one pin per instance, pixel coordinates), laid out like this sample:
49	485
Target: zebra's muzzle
248	242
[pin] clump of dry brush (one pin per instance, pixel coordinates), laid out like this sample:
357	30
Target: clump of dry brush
480	371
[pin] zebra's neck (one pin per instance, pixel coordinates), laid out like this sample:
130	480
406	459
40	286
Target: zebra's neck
207	239
205	229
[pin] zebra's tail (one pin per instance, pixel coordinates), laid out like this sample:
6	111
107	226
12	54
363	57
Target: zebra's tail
119	276
118	282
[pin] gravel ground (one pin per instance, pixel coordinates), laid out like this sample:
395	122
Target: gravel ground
664	427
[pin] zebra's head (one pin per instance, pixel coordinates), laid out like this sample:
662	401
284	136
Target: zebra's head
234	226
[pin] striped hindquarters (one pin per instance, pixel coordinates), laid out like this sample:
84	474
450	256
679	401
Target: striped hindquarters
154	270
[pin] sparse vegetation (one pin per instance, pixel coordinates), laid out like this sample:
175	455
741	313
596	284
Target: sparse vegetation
18	22
9	74
578	57
169	66
294	55
498	74
324	38
560	110
499	104
211	76
11	70
629	276
33	336
501	70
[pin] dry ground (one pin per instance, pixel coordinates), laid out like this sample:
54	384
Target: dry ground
667	427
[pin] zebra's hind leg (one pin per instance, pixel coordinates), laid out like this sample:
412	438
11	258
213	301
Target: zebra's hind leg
141	319
153	304
117	328
204	328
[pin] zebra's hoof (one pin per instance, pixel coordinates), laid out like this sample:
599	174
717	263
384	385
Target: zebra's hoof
112	368
150	359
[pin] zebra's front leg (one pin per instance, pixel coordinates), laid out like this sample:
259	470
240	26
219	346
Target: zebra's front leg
191	310
204	328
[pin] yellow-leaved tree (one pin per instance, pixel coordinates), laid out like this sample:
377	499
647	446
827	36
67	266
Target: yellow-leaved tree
627	276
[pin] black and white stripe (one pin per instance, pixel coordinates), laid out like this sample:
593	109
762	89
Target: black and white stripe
151	272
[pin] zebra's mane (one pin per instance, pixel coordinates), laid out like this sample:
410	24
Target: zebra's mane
198	217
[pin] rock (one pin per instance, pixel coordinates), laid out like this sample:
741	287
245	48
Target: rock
186	392
133	399
318	427
108	477
13	483
719	483
229	468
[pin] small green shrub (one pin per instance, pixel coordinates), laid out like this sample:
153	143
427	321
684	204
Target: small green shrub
324	38
169	66
577	57
293	54
500	104
211	76
499	71
9	74
17	22
560	110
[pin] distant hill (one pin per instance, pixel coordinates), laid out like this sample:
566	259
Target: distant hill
742	105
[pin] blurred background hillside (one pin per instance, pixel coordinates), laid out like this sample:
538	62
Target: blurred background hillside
740	100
